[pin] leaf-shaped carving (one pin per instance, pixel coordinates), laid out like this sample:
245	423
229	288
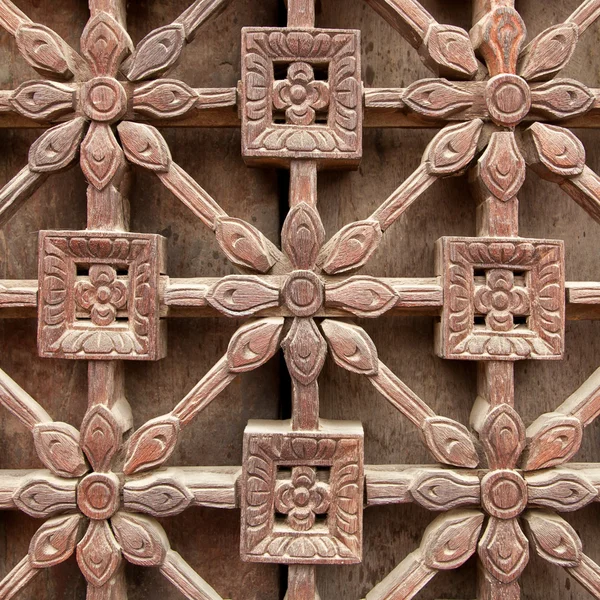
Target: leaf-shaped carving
549	52
449	442
351	247
557	149
305	350
54	541
442	489
57	148
145	146
351	347
559	489
100	437
41	495
253	344
302	236
104	43
362	296
98	553
159	50
242	295
451	539
143	541
243	244
164	99
43	100
101	155
158	495
503	437
552	439
436	98
57	445
152	444
561	98
449	49
502	167
453	148
553	538
43	49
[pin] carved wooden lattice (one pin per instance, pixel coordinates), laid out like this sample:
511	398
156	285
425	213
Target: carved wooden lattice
103	296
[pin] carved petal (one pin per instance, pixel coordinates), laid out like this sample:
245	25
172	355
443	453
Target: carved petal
253	344
98	553
43	49
152	444
450	442
57	445
553	538
100	437
562	98
504	549
362	296
449	49
351	247
441	489
145	146
243	244
549	52
57	148
302	236
242	295
436	98
164	99
43	100
553	439
453	148
558	489
305	350
42	494
503	437
143	541
451	539
351	347
502	167
157	494
54	541
101	155
159	50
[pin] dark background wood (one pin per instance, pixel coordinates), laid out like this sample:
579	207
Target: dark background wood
207	538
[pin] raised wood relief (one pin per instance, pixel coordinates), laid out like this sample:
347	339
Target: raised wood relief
103	295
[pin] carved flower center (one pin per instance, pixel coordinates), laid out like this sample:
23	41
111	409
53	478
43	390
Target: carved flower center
301	496
103	293
504	494
508	99
298	94
500	300
104	99
98	495
303	293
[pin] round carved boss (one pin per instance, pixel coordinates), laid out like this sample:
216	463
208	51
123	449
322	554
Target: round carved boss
303	293
504	494
98	495
103	99
508	99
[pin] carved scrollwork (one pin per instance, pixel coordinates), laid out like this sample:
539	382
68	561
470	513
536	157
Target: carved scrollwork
42	494
157	495
44	50
503	437
57	148
560	489
144	146
101	155
561	99
100	437
442	489
448	51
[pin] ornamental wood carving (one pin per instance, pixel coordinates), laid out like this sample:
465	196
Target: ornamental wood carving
103	295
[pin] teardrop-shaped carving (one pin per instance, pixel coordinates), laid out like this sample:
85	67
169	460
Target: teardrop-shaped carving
57	445
145	146
502	166
57	148
351	247
54	541
253	344
453	148
98	553
302	236
143	541
559	489
549	52
159	50
43	100
450	442
43	49
305	350
503	437
100	437
562	99
243	244
160	495
442	489
242	295
164	99
41	495
436	98
101	155
362	296
152	444
449	51
351	347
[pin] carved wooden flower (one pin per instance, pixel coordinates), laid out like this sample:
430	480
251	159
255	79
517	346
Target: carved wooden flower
500	300
302	498
102	295
300	95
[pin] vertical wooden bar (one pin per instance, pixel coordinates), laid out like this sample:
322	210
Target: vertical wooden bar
302	583
301	13
303	182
